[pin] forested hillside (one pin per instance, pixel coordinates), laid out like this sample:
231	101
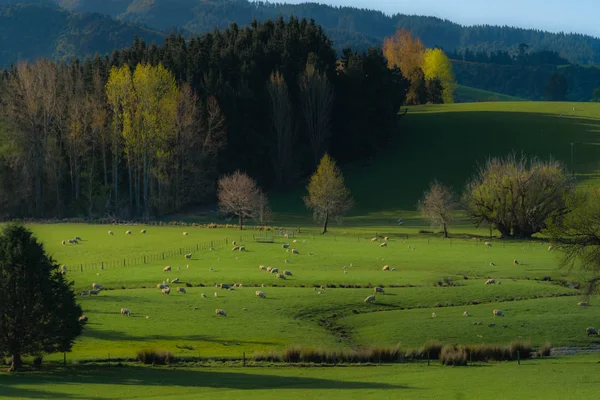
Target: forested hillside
345	25
29	31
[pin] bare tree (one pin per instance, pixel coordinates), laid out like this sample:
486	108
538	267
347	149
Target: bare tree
438	206
239	195
282	122
316	104
328	197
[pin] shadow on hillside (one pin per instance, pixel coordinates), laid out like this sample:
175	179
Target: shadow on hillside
163	377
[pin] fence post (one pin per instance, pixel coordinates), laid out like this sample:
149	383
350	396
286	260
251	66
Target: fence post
81	267
102	266
163	255
123	262
428	359
518	357
244	358
144	259
196	247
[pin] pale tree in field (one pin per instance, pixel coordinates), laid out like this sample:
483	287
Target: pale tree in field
32	108
215	135
328	196
438	206
283	126
264	211
316	103
239	195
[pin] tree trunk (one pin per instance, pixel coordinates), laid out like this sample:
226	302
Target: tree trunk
325	224
16	363
130	190
445	231
241	222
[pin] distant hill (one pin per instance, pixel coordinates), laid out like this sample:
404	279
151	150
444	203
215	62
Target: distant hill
465	94
41	29
345	25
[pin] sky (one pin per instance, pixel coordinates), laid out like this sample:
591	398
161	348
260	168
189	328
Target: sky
579	16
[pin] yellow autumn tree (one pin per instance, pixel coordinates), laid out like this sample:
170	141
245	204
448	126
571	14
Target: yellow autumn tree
437	65
404	51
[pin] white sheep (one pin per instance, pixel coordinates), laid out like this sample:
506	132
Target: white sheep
582	304
369	299
83	319
591	331
262	267
490	282
167	268
111	233
281	276
373	239
550	248
166	290
125	311
216	294
96	286
274	270
492	264
161	286
203	295
234	243
181	290
224	286
433	315
285	245
143	231
176	280
379	290
288	273
466	314
188	256
487	244
260	294
516	262
385	268
236	248
384	244
64	242
498	313
294	241
63	269
128	232
386	238
218	312
295	251
185	233
393	269
242	248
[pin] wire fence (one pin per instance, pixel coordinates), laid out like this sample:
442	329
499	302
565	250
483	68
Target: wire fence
164	255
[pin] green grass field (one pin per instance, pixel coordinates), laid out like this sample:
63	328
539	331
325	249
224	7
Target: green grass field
465	94
443	142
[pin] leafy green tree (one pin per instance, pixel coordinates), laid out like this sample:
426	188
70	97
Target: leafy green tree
437	65
38	312
328	197
556	88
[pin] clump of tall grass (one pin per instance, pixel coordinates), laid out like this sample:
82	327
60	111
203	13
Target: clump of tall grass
431	350
545	350
153	356
453	355
299	354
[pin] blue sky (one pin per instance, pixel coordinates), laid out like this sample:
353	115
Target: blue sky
579	16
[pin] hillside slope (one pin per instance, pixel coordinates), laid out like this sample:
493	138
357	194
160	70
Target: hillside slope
29	31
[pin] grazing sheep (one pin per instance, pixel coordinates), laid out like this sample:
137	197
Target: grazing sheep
85	293
488	244
285	245
373	239
369	299
188	256
64	242
274	270
234	243
143	231
286	236
311	254
262	267
385	268
96	286
236	248
161	286
287	261
550	248
167	268
386	238
393	269
499	282
261	294
181	290
176	280
379	290
218	311
203	295
244	309
582	304
242	248
294	251
166	290
591	331
281	276
269	269
224	286
433	315
110	233
83	319
128	232
516	262
63	269
288	273
492	264
490	282
125	311
384	244
294	241
216	294
95	292
185	233
78	238
466	314
498	313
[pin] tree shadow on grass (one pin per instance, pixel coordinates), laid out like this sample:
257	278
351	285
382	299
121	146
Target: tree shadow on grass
82	376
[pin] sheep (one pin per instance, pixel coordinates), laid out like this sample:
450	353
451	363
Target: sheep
274	270
262	267
369	299
261	294
394	269
224	286
498	313
63	269
111	233
384	244
203	295
550	248
492	264
236	248
379	290
83	319
64	242
216	294
269	269
234	243
185	233
242	248
176	280
161	286
582	304
288	273
385	268
181	290
373	239
85	293
386	238
166	290
167	268
218	312
125	311
294	241
591	331
295	251
143	231
281	276
96	286
516	262
490	282
78	238
285	245
433	315
128	232
466	314
487	244
286	236
287	261
188	256
95	292
311	253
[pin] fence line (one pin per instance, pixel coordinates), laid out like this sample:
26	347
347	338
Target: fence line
164	255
